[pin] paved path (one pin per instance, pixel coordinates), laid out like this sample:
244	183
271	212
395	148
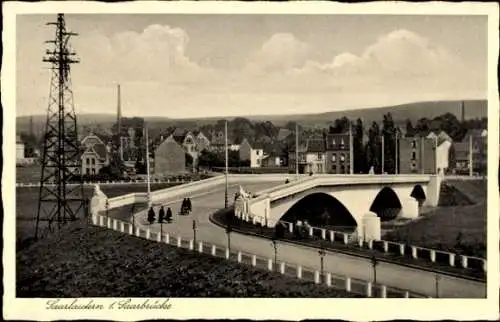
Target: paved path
418	281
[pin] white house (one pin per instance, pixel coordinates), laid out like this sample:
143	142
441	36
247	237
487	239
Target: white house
19	148
253	152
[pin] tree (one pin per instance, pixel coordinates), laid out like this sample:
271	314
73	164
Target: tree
389	134
358	149
423	125
410	131
151	215
189	160
340	126
373	155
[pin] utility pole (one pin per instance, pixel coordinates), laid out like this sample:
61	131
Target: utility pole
351	150
61	161
422	154
383	157
227	184
471	171
396	161
275	246
150	202
297	150
436	155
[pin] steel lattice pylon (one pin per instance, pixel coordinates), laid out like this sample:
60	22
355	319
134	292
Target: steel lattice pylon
59	200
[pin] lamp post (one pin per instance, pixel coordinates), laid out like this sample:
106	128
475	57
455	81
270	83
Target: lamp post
150	203
226	172
194	231
437	285
229	229
275	246
374	262
297	150
322	254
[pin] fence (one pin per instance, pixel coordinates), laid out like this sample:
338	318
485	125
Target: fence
346	283
109	182
435	256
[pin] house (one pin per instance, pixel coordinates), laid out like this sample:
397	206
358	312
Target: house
218	142
473	146
202	142
251	151
95	155
273	155
311	154
338	153
19	148
169	157
417	155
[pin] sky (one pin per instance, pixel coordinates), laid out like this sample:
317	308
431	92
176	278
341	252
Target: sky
189	65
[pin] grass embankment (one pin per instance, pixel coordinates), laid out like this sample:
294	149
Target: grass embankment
458	225
89	261
27	206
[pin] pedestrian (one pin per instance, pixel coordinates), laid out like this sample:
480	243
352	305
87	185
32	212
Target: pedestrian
189	205
161	215
151	215
169	215
183	206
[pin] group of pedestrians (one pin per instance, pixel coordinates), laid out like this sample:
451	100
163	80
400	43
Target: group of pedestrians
186	206
163	216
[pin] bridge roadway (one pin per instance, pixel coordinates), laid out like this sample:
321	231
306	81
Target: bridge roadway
402	277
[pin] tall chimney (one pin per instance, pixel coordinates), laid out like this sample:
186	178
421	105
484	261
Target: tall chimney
119	113
31	125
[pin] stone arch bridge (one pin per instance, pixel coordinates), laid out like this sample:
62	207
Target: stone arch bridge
359	196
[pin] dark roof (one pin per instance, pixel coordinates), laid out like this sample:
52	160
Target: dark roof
316	145
283	134
474	133
99	148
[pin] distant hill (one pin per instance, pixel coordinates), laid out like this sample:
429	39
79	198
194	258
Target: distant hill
400	113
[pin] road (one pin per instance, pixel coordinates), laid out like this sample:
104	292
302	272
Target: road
205	203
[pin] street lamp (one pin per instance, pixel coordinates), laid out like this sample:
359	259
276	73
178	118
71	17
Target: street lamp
194	231
275	246
226	149
437	285
374	262
229	229
322	254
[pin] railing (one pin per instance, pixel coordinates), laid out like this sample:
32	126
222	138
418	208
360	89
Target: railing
389	247
346	283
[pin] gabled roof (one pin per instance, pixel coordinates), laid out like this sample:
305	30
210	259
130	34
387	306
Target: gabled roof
253	143
92	136
283	134
316	145
99	149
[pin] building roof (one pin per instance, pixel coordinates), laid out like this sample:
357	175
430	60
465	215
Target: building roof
476	133
283	134
316	145
99	148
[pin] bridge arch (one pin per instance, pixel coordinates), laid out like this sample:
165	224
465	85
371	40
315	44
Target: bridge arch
418	194
321	210
386	204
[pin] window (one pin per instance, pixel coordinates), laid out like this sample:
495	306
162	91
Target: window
320	156
342	143
88	161
342	157
333	142
334	157
93	161
334	168
93	170
414	144
87	171
413	155
342	169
